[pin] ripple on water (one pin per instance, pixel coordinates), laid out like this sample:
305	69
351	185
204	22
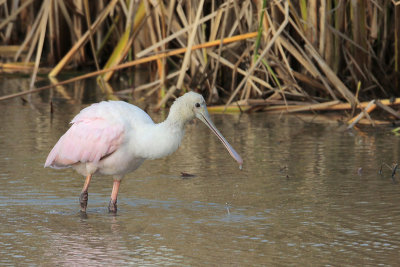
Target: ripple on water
299	200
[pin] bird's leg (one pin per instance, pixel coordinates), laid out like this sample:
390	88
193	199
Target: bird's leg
112	206
83	199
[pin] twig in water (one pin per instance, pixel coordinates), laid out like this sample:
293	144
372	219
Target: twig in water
227	205
51	107
283	168
394	170
186	175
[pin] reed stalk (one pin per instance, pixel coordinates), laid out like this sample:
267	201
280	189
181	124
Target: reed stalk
230	51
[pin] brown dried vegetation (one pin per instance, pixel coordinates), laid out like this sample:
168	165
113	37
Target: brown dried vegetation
248	55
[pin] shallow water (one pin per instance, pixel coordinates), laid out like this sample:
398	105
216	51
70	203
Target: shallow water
309	194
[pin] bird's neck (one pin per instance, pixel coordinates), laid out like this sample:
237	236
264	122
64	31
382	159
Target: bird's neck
166	138
162	139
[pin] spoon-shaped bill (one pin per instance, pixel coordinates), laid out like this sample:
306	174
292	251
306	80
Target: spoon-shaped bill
204	117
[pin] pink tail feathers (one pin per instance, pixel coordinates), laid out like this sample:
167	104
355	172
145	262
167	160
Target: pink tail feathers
86	141
56	157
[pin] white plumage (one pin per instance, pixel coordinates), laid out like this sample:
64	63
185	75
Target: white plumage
114	138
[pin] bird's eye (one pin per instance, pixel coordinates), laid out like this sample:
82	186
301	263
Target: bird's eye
197	105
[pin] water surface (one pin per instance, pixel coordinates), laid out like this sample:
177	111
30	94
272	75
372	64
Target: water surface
309	194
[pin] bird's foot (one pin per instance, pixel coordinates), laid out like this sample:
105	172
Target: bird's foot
112	206
83	199
83	214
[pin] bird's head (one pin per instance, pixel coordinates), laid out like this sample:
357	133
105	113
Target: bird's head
188	107
192	105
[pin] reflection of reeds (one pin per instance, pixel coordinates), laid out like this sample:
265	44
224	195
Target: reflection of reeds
315	51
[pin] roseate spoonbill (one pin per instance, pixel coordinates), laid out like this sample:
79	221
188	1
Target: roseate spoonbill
114	138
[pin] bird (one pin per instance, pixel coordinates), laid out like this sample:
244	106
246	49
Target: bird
114	138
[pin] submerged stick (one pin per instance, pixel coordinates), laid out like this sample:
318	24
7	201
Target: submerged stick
394	170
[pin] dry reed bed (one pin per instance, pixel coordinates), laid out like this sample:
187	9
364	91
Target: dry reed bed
277	56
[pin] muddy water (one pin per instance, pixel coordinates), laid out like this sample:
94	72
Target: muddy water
309	194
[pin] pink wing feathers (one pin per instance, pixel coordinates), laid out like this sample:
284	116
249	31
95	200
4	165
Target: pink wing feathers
89	139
